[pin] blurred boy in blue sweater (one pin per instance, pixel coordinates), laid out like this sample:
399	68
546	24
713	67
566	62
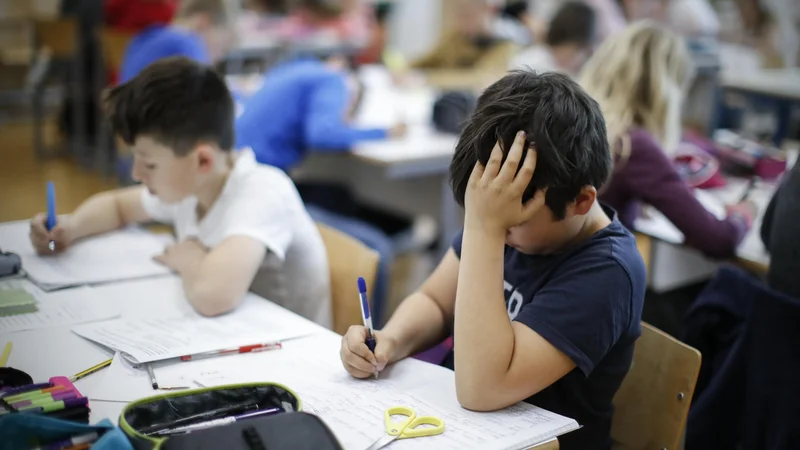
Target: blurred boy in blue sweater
304	105
201	31
307	105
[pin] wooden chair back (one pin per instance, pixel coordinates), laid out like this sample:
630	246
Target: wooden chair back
59	36
653	402
348	259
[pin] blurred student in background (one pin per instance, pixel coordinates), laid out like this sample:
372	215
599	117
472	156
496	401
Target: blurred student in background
639	77
692	18
303	105
134	15
609	13
570	39
336	21
202	30
471	45
307	105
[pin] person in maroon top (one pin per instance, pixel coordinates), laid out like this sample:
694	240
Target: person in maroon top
638	77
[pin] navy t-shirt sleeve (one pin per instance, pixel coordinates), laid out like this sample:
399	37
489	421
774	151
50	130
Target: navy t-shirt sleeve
457	243
583	310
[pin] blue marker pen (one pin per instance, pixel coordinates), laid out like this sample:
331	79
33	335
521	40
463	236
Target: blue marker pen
51	211
362	295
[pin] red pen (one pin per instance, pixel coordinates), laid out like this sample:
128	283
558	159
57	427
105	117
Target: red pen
232	351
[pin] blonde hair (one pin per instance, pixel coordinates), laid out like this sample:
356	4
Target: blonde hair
638	77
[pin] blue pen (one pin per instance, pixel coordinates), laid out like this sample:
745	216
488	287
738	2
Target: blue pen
362	295
51	211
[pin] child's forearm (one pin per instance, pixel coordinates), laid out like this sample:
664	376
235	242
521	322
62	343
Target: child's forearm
105	212
484	336
417	325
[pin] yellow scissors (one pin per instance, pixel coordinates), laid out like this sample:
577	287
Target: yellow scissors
410	427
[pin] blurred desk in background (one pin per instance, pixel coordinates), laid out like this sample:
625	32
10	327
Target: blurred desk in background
776	91
672	265
407	175
778	83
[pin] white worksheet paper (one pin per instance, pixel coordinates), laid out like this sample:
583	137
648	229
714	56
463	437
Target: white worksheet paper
115	256
353	409
124	381
57	309
157	338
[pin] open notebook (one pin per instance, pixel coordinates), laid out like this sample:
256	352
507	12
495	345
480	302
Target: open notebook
119	255
353	409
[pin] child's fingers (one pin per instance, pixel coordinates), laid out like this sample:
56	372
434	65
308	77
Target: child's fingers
523	178
356	372
355	339
513	158
534	204
38	228
494	163
358	363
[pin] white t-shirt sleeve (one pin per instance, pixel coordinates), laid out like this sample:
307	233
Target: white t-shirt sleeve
265	213
158	210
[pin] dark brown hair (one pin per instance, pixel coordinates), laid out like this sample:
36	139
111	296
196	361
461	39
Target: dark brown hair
573	23
176	101
562	122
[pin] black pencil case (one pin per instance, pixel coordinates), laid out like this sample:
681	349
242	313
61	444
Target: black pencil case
142	420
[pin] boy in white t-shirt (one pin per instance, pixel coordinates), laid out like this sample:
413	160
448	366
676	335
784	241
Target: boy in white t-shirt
240	225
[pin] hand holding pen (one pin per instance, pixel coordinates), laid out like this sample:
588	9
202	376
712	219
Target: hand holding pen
365	352
370	338
48	235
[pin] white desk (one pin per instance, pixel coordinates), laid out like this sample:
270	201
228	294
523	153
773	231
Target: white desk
780	83
672	265
57	351
409	175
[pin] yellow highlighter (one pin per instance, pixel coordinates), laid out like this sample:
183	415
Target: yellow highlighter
6	354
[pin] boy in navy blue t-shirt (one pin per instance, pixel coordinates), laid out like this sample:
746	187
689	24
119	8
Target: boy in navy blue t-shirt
543	289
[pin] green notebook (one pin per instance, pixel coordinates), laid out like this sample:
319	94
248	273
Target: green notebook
16	301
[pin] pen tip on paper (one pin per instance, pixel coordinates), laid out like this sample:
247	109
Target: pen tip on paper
52	246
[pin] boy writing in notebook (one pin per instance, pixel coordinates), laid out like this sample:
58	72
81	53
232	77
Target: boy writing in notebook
543	289
240	225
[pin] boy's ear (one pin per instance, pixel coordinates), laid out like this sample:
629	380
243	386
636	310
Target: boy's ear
585	200
206	157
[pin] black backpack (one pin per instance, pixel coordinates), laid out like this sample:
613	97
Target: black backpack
452	109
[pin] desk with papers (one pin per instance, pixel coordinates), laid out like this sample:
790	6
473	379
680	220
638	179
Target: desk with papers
672	265
308	363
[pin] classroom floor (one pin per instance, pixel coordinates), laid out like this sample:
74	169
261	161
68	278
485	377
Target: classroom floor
23	176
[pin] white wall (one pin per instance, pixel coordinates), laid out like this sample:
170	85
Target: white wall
415	26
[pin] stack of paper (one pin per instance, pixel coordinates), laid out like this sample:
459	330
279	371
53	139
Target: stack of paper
353	409
156	339
119	255
57	309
